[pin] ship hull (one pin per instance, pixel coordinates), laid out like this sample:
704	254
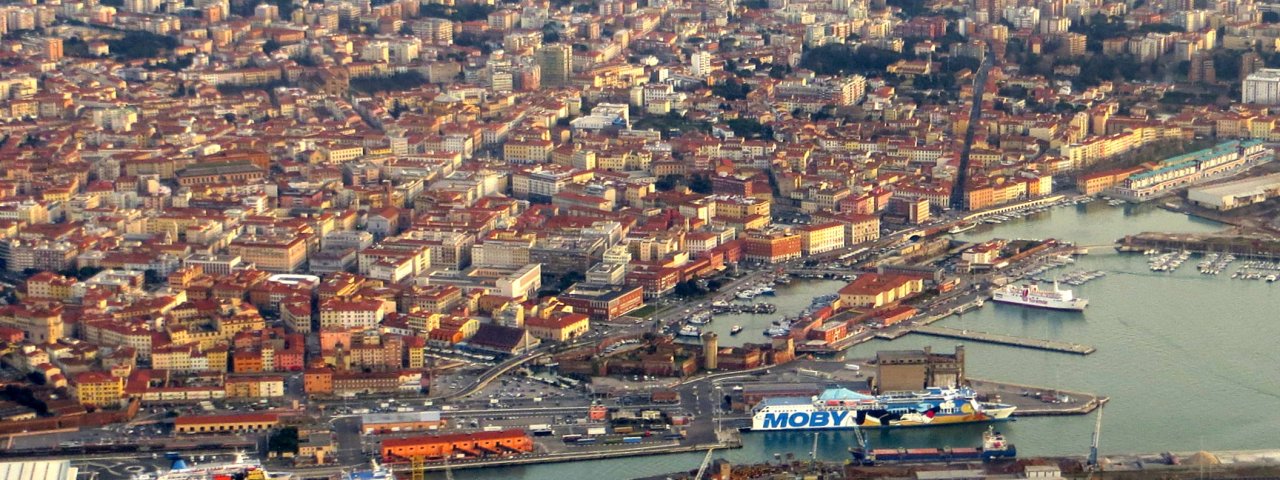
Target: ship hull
836	419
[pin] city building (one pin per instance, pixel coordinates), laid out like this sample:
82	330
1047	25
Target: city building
478	444
1262	87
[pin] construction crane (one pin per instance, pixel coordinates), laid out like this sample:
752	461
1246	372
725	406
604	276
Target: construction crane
706	461
417	467
813	452
1093	449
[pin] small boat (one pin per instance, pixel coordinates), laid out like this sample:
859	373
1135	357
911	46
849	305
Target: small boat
962	227
765	291
736	330
747	294
777	331
689	331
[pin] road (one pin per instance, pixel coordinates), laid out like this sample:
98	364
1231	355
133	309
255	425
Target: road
958	202
493	373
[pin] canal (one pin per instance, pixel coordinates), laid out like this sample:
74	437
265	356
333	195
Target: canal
1187	359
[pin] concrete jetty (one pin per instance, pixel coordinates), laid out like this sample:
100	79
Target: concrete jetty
998	339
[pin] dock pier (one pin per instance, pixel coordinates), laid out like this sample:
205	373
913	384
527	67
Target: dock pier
998	339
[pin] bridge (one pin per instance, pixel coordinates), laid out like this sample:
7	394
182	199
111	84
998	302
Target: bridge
998	339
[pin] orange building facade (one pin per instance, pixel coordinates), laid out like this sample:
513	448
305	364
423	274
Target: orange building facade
476	444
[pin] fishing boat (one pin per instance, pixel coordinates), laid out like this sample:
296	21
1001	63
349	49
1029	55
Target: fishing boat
736	330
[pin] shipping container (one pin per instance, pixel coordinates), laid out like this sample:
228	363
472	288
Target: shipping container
586	441
623	430
493	428
596	431
570	438
631	439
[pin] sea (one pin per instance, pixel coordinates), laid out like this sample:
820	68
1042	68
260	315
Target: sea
1188	360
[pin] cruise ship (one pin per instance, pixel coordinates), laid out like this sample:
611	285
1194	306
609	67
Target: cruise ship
1034	296
844	408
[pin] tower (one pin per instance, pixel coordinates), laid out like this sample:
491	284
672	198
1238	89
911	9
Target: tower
710	350
556	63
700	64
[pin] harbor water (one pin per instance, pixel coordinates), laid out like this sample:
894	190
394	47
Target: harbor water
789	299
1187	359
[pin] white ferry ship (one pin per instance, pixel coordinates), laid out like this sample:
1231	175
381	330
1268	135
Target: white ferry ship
1034	296
843	408
241	467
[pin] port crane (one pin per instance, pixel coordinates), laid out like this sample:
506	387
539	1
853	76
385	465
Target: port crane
706	462
861	437
1093	449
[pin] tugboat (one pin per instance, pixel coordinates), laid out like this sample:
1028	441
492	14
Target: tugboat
736	330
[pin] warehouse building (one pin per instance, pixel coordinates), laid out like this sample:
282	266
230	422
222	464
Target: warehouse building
377	423
235	423
474	445
38	470
1236	194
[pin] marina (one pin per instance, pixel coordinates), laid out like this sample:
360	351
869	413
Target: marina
999	339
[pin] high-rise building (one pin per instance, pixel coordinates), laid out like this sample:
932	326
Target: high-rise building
1201	69
556	62
1262	87
700	64
1250	62
53	48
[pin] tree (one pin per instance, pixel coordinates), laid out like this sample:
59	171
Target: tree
284	440
689	289
394	82
840	59
270	46
668	182
749	128
700	184
732	90
138	44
